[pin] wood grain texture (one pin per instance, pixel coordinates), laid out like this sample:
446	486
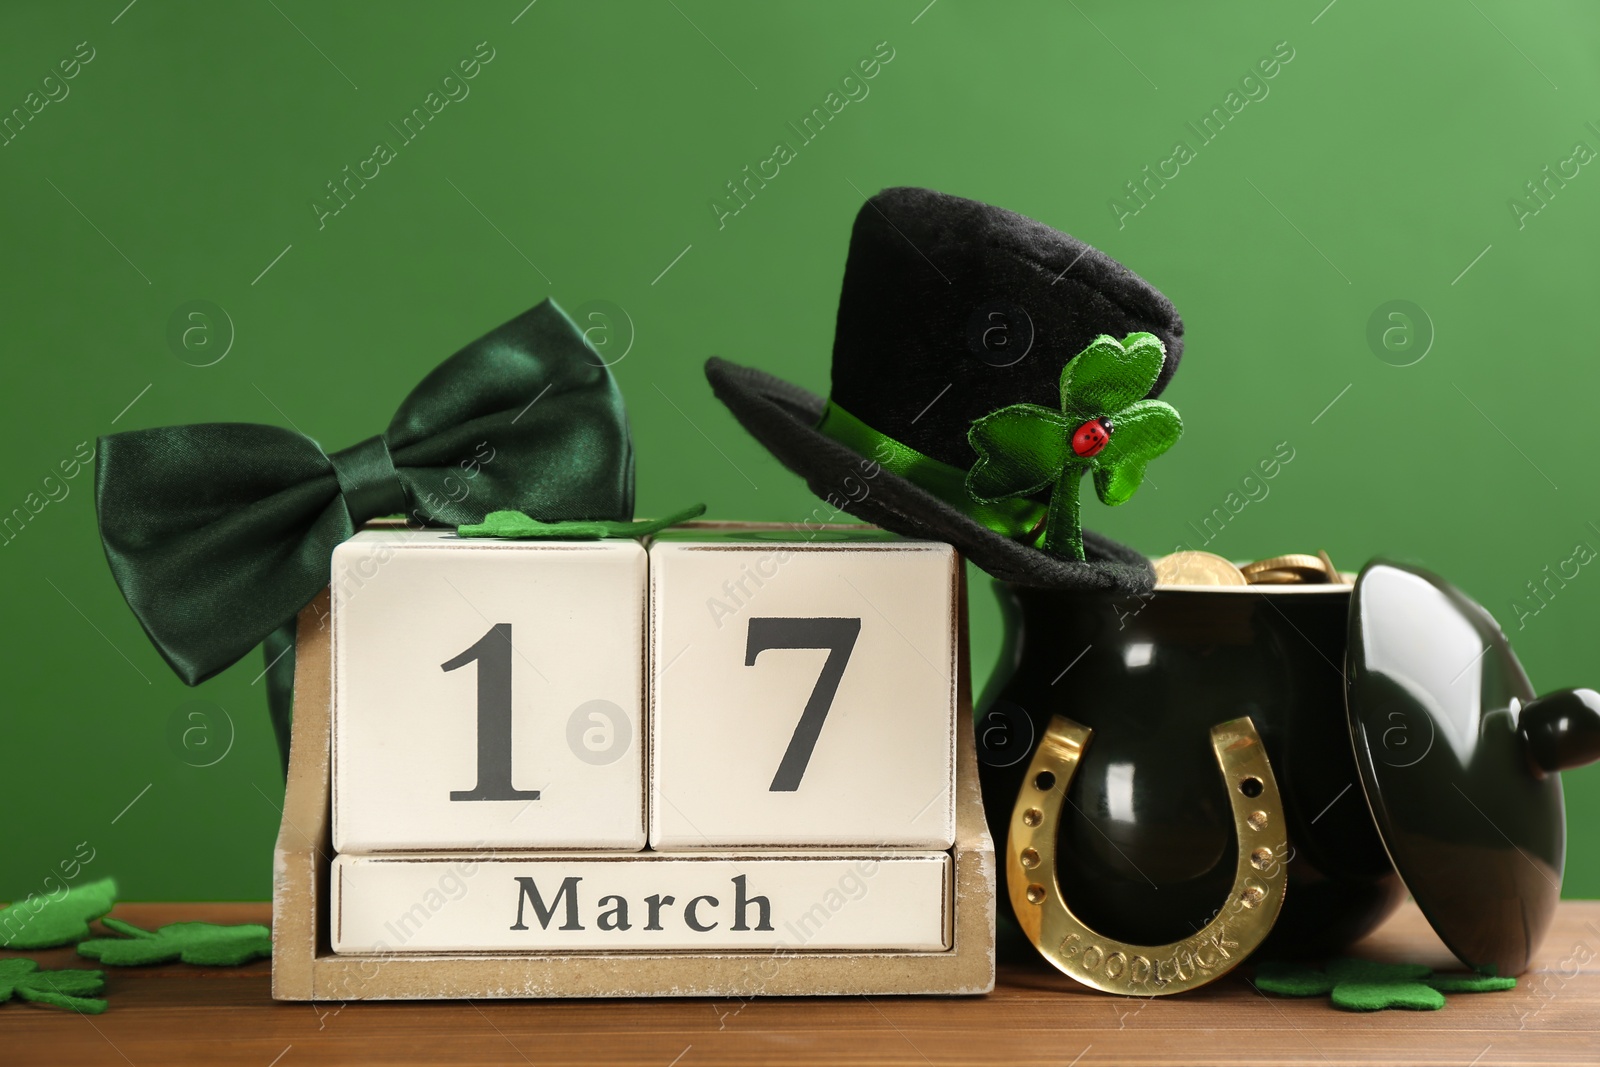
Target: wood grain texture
180	1015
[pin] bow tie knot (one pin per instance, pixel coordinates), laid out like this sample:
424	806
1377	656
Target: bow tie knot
368	481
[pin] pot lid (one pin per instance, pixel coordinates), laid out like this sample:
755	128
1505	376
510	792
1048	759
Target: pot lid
1459	759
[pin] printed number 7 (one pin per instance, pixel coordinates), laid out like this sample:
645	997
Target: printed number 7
838	636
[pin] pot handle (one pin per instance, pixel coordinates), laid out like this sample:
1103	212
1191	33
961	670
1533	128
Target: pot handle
1114	966
1561	730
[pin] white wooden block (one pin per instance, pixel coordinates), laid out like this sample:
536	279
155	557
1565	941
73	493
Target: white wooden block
803	692
487	693
712	901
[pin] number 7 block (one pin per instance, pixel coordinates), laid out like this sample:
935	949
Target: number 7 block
803	693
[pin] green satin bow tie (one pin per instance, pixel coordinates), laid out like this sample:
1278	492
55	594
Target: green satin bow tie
218	534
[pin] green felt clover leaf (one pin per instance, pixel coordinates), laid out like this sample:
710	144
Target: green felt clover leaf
1022	450
22	978
47	921
205	944
516	525
1143	431
1109	375
1366	985
1025	449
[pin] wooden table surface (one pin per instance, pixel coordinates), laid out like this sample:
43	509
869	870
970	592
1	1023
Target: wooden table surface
180	1014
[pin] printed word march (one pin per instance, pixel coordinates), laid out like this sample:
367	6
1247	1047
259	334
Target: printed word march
657	907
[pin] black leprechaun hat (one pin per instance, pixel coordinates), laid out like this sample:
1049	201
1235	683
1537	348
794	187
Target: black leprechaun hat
953	311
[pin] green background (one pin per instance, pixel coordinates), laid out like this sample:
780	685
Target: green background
1380	166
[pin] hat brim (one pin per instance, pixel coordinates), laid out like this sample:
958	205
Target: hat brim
783	417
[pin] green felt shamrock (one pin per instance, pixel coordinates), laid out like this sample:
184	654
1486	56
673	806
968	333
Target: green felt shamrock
1365	985
514	524
24	980
47	921
205	944
1105	425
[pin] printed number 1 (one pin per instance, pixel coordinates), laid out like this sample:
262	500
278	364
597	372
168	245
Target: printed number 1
492	652
838	636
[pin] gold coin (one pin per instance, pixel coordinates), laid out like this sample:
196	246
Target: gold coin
1197	568
1276	576
1310	566
1327	564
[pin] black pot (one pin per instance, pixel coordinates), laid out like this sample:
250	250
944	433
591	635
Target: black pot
1146	851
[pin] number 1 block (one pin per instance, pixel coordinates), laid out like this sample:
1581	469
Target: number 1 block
487	694
803	693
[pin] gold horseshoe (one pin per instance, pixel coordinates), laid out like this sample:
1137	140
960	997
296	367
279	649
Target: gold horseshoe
1114	966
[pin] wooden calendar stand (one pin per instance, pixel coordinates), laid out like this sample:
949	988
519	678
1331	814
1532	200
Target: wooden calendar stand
304	967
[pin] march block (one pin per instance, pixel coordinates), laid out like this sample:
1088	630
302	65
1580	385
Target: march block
784	902
803	690
487	693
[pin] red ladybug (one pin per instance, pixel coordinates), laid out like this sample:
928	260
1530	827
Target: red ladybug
1091	437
